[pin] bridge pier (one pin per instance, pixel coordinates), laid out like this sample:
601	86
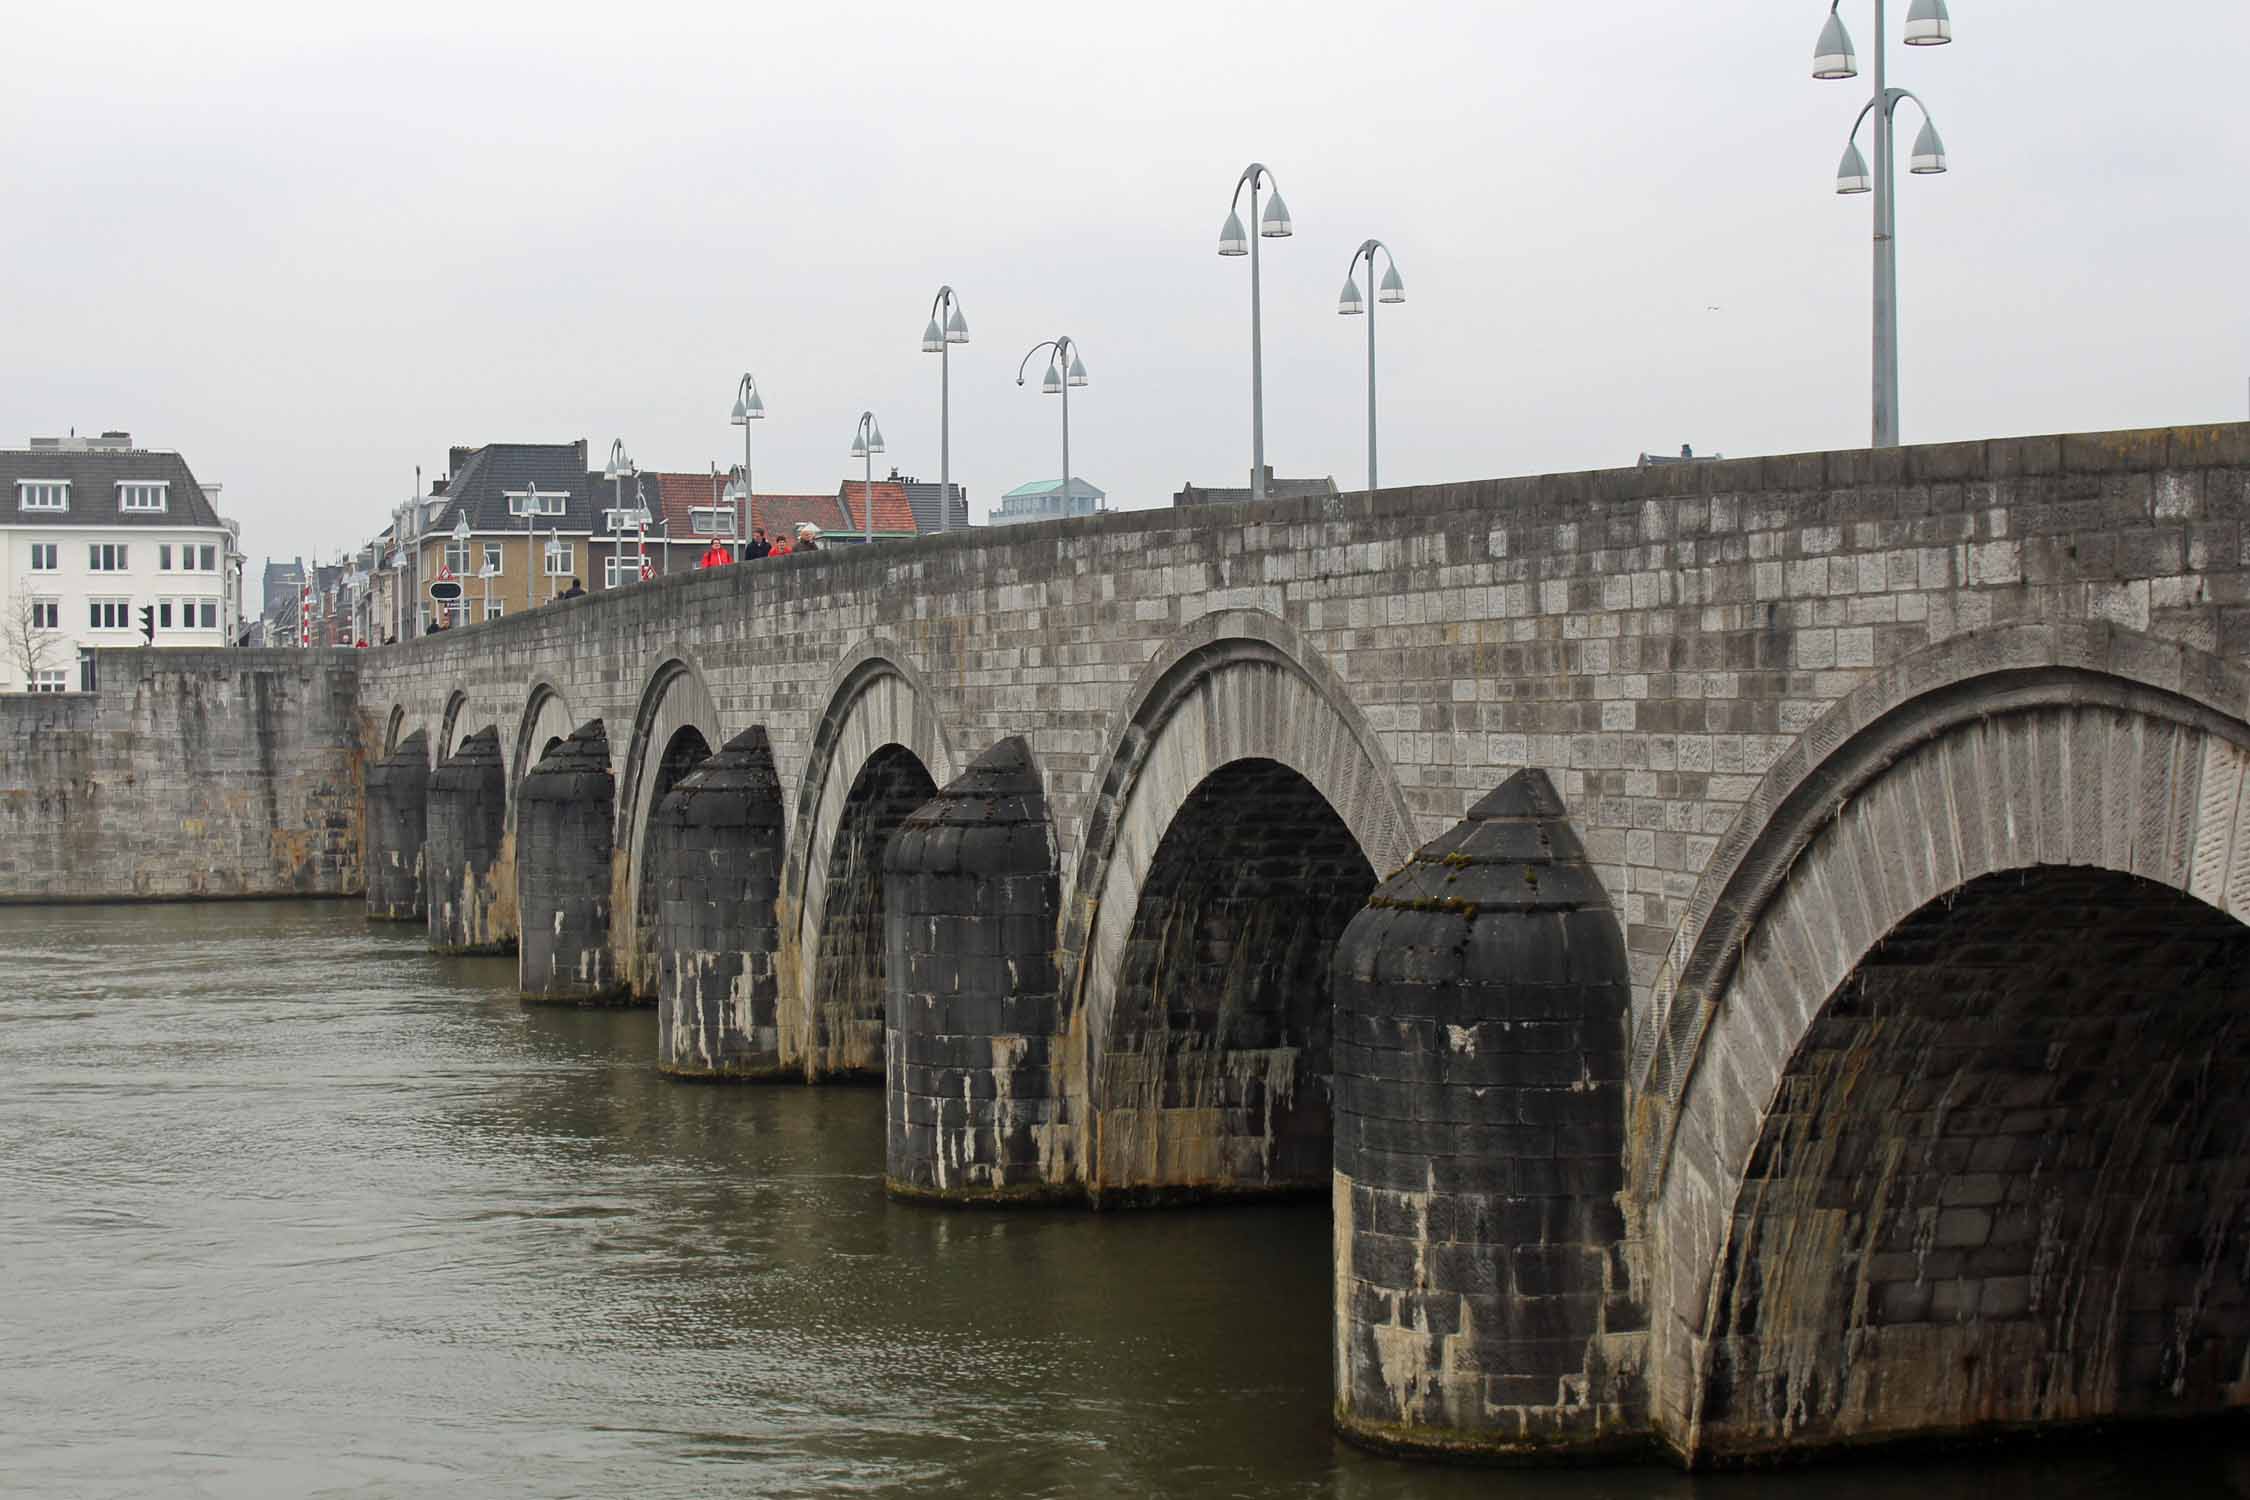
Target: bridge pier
397	822
718	851
1484	1301
969	909
566	817
472	892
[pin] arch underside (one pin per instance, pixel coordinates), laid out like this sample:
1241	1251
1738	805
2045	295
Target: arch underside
676	699
674	761
1950	1154
848	976
1216	1076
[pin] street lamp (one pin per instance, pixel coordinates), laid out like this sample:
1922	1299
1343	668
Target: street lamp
461	536
939	339
1389	289
1064	370
867	441
1274	225
1927	25
748	408
619	469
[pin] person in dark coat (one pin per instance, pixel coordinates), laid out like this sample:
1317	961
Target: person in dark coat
759	546
573	592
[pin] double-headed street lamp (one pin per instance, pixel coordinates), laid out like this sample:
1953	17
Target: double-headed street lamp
1389	289
1064	370
1274	225
1927	25
947	328
748	408
867	441
619	469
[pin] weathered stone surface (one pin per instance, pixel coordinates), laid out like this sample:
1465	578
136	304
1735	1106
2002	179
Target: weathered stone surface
849	987
566	811
190	775
1484	1302
398	810
718	1011
472	886
970	899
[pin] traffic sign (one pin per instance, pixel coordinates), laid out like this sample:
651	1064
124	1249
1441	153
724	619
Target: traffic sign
444	590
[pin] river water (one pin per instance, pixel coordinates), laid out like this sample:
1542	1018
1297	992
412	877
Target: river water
290	1207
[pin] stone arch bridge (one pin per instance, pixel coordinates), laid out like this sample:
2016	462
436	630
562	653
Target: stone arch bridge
1754	950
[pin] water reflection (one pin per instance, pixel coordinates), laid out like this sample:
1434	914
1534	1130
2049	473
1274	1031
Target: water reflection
289	1206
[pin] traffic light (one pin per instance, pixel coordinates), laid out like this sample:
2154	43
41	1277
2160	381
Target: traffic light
148	624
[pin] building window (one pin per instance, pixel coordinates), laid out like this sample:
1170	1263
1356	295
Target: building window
492	559
164	614
45	557
106	557
457	558
109	614
561	559
141	495
493	609
50	681
164	559
620	570
712	520
192	559
46	614
42	494
210	613
207	558
550	503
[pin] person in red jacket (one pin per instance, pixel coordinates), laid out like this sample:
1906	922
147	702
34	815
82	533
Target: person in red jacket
715	556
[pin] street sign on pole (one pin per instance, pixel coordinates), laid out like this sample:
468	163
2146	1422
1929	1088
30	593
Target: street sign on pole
444	590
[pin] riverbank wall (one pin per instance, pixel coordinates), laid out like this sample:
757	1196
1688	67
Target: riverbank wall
185	775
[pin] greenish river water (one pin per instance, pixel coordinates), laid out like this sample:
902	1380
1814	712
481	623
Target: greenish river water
289	1207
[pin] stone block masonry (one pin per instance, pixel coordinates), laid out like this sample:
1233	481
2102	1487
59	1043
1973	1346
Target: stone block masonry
565	825
472	893
190	775
398	792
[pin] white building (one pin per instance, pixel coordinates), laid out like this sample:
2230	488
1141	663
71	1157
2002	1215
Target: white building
93	532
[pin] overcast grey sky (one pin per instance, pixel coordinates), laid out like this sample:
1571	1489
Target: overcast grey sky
310	246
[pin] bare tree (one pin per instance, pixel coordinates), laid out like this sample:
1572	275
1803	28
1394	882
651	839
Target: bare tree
32	645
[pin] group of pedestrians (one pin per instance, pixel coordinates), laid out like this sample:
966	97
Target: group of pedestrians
717	555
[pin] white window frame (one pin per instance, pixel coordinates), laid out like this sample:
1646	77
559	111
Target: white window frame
620	569
164	614
130	491
50	680
551	502
164	557
52	494
459	565
108	557
121	608
207	564
51	552
560	559
495	608
209	607
46	612
712	520
494	560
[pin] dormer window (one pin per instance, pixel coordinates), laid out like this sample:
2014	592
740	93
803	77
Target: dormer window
42	494
628	519
142	495
536	502
712	520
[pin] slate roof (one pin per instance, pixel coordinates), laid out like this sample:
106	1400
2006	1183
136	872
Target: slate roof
923	496
1276	489
894	516
94	475
479	487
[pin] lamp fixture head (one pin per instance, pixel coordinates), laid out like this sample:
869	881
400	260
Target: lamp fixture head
1833	57
1392	289
1052	384
1852	175
1077	369
1928	24
1232	239
957	327
1274	223
755	407
859	444
874	435
1348	303
933	338
1928	159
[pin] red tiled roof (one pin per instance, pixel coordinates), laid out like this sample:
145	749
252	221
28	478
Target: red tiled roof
892	512
681	493
781	514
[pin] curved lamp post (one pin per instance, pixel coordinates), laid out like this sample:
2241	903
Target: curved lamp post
1927	25
1064	370
1389	289
1273	225
947	328
619	469
748	408
867	441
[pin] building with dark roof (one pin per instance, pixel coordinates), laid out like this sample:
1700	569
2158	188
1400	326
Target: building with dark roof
1044	500
107	544
929	516
1276	489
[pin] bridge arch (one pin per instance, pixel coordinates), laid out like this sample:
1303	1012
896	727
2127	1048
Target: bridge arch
879	751
394	728
1174	880
675	728
456	704
546	721
1929	1123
